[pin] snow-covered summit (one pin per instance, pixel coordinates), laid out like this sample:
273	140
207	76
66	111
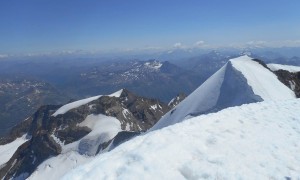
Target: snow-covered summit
76	104
263	82
240	81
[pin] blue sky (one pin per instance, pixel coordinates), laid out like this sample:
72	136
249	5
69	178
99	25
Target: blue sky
55	25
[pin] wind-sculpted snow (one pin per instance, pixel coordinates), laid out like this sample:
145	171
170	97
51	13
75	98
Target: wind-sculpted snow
254	141
240	81
263	82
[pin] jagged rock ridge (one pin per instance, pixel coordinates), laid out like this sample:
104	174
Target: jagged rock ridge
51	135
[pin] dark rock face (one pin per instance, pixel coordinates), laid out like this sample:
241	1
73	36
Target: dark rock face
123	136
291	80
136	115
29	156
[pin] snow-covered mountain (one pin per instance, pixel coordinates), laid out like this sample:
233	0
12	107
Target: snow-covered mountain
152	78
240	81
213	133
85	128
253	141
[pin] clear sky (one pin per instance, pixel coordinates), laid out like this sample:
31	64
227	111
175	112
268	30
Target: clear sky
54	25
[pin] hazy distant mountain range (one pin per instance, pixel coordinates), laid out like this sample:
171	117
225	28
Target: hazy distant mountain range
29	82
59	138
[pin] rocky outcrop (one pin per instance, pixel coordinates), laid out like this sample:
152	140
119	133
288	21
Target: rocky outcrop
290	79
48	133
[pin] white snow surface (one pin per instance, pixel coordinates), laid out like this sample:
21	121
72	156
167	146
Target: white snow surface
252	141
240	81
56	167
76	104
202	99
263	82
276	67
104	128
8	150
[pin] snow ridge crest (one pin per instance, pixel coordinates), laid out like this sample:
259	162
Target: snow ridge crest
241	81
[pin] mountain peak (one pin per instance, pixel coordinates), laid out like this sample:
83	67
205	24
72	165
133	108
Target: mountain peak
153	64
244	57
240	81
81	102
263	82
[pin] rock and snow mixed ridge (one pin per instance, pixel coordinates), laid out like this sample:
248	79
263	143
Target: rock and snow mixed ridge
253	141
8	150
81	102
276	67
77	130
238	82
288	75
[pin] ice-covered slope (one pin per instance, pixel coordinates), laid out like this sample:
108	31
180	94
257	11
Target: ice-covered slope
240	81
253	141
103	129
8	150
276	67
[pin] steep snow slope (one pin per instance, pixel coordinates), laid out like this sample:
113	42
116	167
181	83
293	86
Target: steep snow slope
240	81
8	150
104	128
263	82
253	141
276	67
81	102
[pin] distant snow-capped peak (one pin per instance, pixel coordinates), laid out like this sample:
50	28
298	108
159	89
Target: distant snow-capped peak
153	64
